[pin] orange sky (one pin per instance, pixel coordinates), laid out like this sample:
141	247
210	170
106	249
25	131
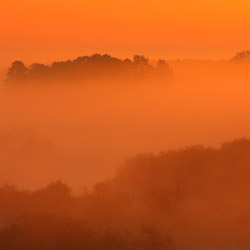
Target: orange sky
44	30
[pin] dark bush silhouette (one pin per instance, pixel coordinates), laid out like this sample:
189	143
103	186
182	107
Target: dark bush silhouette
243	57
44	232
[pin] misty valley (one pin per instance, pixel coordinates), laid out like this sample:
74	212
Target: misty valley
103	153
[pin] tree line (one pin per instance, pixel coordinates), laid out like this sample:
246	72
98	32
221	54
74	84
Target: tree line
89	67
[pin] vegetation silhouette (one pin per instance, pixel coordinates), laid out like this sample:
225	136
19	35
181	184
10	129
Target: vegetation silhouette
242	57
45	232
89	67
187	189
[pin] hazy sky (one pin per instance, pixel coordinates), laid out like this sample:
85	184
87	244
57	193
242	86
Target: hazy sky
44	30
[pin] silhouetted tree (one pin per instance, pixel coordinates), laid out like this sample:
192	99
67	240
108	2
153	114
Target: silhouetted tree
142	66
17	72
163	69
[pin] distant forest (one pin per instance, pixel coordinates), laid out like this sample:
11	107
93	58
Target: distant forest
89	67
98	66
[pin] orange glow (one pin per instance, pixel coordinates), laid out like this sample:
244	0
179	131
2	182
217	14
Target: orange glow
124	124
44	30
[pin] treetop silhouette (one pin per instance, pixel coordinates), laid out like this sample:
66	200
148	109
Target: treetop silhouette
89	67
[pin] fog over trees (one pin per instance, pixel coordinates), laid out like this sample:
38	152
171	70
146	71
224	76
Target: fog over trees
155	201
89	67
122	161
